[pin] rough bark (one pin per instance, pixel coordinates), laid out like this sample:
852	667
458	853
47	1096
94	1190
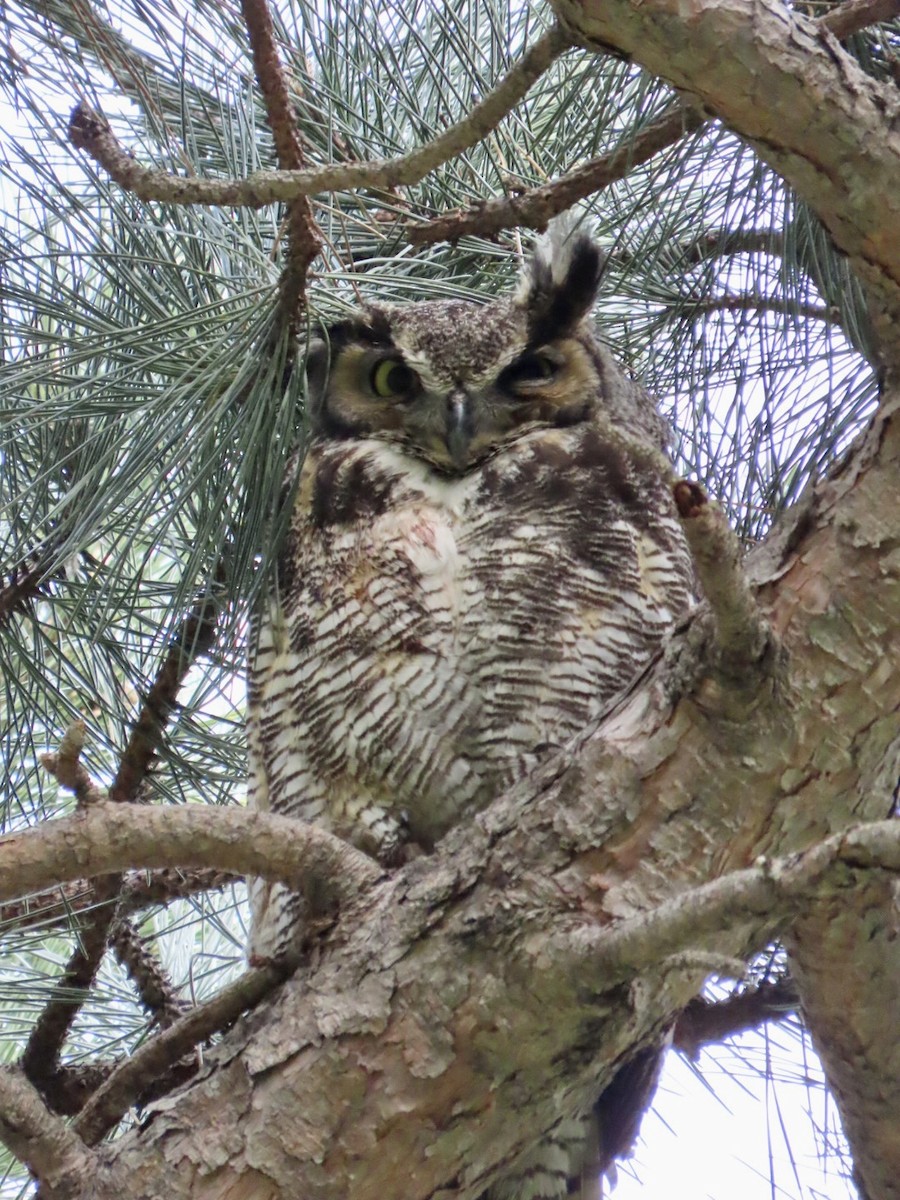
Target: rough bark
452	1009
832	132
463	1000
802	101
845	955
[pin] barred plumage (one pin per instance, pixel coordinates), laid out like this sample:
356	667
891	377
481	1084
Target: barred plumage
483	552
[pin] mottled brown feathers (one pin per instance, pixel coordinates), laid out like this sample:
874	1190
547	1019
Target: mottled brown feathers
484	551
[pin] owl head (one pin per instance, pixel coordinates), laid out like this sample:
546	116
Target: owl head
451	382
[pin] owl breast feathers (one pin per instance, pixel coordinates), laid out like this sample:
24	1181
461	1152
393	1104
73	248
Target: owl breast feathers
483	553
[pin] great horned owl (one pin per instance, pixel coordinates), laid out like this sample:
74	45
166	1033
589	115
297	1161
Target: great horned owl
483	552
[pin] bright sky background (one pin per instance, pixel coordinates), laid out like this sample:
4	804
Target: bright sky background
715	1137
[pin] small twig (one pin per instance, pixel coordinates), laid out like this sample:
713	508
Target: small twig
704	1021
711	244
810	312
141	889
303	238
44	1142
130	1081
91	132
850	18
535	207
157	994
65	766
194	638
23	585
742	635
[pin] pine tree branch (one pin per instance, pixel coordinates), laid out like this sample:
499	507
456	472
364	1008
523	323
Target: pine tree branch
145	888
44	1142
707	1022
40	1059
479	911
53	906
73	1084
23	585
50	1031
782	888
303	237
833	120
140	890
847	19
535	207
712	245
155	990
759	304
114	837
140	1075
91	132
844	955
42	1051
65	766
195	638
743	637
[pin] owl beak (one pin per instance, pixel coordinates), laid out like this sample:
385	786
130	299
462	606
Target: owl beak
460	429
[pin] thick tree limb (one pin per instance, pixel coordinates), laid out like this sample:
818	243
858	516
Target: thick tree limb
449	1009
854	15
42	1141
115	837
845	956
776	890
788	87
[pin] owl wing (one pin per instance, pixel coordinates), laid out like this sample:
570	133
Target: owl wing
359	717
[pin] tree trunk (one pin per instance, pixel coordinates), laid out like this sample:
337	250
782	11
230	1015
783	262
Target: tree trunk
461	1003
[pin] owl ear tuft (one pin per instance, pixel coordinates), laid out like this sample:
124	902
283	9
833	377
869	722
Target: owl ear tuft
559	284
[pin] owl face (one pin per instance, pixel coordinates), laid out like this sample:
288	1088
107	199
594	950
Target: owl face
451	381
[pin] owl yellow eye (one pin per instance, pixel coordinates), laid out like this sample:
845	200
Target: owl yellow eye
534	367
391	377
